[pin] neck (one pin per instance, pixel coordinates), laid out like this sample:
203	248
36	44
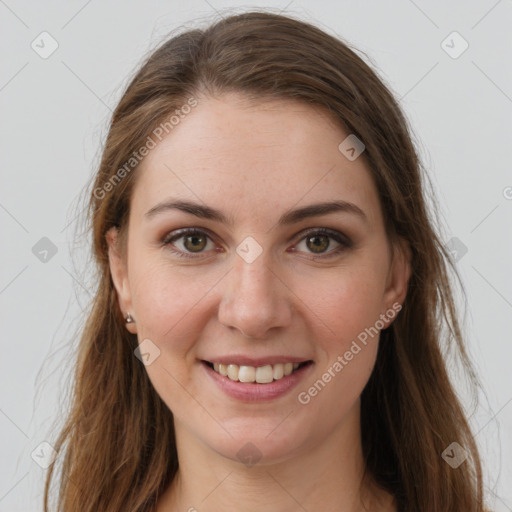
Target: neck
327	477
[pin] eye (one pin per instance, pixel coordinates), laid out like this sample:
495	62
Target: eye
189	242
319	240
193	242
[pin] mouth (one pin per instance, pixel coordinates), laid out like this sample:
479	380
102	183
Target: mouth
264	374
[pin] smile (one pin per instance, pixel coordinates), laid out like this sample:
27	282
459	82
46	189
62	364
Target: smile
267	380
260	374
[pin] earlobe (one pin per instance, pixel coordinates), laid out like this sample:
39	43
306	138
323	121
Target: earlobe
119	274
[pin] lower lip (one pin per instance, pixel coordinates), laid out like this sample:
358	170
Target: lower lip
253	392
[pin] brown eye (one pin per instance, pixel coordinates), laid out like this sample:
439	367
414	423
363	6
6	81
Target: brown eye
189	242
323	243
318	243
194	243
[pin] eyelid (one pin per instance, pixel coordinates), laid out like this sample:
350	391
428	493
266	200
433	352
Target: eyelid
344	241
178	233
337	235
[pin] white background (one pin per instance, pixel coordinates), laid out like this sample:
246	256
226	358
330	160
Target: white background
54	115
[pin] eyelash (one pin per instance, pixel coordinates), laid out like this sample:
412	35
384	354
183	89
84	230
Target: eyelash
345	242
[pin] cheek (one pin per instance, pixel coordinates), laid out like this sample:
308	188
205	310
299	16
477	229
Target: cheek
345	301
347	306
169	300
346	341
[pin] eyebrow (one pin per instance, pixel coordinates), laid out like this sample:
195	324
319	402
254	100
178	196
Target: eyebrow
289	217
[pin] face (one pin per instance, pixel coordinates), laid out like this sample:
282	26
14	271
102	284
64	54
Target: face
255	278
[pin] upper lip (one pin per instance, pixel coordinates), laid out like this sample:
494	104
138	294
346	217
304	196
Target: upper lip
242	360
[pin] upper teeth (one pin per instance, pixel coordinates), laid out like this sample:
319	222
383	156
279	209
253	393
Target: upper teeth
260	374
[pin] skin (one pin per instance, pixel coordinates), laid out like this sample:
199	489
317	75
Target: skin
255	161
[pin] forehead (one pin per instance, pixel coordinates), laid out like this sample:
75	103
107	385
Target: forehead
248	157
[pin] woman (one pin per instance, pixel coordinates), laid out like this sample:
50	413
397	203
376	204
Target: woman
273	301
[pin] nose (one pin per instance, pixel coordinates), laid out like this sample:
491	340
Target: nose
255	299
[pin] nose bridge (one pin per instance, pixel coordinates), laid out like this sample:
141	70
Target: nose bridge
254	278
254	299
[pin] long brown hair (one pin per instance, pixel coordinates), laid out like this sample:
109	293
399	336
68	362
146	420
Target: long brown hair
118	445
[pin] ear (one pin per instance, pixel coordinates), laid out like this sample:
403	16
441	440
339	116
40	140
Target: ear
119	273
397	280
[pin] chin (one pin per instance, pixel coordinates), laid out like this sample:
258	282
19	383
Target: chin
261	442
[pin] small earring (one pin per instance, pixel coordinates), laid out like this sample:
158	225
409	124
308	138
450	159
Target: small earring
129	319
